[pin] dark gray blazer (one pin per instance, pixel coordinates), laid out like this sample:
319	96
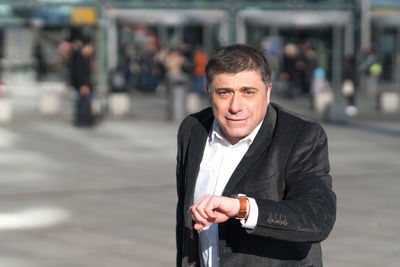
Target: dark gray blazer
286	170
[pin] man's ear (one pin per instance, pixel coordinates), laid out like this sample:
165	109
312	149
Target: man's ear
208	90
269	88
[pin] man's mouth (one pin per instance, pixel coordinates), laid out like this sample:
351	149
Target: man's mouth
235	119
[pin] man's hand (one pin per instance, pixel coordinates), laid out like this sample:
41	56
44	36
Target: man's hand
213	209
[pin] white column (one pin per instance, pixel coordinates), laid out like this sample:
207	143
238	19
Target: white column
337	58
240	29
349	39
112	41
365	24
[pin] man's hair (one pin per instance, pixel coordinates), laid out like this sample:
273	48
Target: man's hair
237	58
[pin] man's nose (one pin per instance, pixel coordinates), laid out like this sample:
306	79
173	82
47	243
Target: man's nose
235	105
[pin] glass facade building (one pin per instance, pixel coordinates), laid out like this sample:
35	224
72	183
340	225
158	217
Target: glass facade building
335	29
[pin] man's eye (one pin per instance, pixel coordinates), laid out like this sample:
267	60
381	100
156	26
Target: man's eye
222	93
249	93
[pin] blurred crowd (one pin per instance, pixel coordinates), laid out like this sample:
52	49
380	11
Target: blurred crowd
300	70
298	66
146	65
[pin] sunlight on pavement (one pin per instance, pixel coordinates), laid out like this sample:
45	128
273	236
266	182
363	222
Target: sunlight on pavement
8	261
32	218
7	138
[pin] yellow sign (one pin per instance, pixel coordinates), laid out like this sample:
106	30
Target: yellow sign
83	16
385	11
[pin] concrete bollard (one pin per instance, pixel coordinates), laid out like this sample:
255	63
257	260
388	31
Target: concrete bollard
321	100
96	106
389	102
49	103
119	104
5	110
193	102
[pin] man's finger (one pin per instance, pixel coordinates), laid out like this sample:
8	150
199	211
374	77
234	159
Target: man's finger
197	216
201	204
198	226
209	210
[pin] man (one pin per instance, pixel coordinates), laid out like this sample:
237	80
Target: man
81	80
276	162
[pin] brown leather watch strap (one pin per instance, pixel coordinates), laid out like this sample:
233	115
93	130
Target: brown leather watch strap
243	207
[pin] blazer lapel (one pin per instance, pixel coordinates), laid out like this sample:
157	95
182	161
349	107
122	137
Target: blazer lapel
195	154
261	143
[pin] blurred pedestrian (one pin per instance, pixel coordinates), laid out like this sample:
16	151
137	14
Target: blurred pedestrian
199	62
374	78
118	79
253	179
348	87
148	69
161	71
63	60
177	85
130	67
187	53
321	92
311	63
40	61
289	74
81	70
301	69
174	63
367	59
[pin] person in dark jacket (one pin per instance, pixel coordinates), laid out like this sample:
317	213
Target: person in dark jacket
81	60
253	179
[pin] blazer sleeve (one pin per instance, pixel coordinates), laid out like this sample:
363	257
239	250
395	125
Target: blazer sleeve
308	210
180	193
184	133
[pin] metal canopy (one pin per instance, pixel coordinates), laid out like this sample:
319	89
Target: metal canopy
161	17
296	18
386	18
308	19
171	17
305	19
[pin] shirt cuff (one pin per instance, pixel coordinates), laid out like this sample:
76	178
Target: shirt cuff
251	221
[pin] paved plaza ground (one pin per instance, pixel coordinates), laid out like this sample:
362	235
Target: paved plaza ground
73	197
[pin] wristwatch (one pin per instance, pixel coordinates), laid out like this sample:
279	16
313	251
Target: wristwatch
243	206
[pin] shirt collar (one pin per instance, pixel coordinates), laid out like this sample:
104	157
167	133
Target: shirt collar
217	134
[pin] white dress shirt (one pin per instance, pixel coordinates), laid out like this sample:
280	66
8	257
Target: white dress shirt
220	159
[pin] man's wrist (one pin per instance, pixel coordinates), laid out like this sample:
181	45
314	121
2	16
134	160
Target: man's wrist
243	206
250	222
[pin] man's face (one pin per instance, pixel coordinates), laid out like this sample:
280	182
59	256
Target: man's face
239	102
